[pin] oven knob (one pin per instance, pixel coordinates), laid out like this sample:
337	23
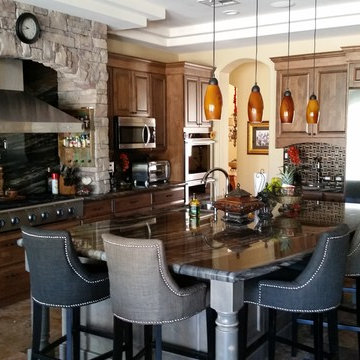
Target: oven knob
44	215
59	212
15	220
32	218
71	211
2	223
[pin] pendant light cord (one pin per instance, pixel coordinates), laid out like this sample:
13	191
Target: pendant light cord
256	39
213	45
288	44
314	47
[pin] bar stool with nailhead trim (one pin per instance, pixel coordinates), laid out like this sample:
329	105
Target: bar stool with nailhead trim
59	279
317	290
144	292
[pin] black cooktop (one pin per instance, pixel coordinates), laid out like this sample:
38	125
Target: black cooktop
7	203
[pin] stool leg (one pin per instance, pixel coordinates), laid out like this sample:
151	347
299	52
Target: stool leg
148	341
36	329
118	338
69	335
333	334
210	332
76	333
158	344
242	334
357	299
294	334
272	334
128	340
318	336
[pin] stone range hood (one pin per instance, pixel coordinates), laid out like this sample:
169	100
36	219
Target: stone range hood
23	113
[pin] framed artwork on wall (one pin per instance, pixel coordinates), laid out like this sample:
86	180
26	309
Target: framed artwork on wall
258	138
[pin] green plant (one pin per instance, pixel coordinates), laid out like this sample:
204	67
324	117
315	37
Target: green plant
287	175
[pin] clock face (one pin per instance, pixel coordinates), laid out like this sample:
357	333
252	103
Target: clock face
27	28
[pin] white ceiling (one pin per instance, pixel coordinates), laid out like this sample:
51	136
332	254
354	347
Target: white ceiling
186	25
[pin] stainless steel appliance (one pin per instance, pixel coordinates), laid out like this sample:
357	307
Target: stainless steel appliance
147	173
38	210
199	156
135	133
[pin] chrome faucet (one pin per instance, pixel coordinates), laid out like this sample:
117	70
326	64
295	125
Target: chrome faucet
205	177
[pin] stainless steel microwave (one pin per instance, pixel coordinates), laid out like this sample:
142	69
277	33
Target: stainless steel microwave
135	133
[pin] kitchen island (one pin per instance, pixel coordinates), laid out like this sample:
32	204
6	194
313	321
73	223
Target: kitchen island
222	253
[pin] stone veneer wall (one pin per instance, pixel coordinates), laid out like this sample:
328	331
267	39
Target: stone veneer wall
77	49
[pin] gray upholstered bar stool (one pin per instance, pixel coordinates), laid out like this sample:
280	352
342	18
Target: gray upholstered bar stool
59	279
316	290
144	292
353	271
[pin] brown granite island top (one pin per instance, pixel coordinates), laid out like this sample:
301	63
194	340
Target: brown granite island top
221	251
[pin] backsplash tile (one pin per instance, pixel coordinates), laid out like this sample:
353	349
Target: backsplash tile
333	159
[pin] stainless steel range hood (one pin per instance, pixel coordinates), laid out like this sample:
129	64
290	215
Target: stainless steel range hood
23	113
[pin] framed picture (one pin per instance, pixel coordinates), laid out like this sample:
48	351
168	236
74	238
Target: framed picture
258	138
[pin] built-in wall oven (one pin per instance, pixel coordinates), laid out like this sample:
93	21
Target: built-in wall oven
199	156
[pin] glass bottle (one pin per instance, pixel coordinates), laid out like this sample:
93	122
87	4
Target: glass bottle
194	206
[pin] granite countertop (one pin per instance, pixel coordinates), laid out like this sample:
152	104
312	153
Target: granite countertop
215	249
134	190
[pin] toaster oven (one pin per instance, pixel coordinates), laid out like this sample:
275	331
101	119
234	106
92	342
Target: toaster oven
151	172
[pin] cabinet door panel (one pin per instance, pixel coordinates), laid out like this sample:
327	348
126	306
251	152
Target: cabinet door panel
332	92
141	94
158	89
191	101
203	85
121	92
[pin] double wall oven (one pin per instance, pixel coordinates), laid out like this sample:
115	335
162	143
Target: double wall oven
199	158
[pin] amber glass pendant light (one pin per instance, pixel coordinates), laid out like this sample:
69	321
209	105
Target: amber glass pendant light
213	97
287	102
255	103
313	107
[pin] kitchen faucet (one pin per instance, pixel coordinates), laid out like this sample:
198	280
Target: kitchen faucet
205	179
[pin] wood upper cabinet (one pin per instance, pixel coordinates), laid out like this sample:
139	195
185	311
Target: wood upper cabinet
195	88
330	87
131	93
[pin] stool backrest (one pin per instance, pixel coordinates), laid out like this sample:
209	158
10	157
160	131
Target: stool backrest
353	258
142	289
323	277
56	274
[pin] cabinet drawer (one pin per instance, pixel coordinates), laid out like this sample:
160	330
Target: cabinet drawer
97	209
14	280
133	202
168	197
10	252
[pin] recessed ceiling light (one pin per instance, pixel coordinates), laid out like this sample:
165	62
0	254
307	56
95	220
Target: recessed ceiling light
282	4
219	3
230	12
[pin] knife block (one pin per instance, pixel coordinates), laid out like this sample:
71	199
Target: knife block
66	190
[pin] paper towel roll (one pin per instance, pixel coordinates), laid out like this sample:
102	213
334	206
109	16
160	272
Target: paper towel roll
260	179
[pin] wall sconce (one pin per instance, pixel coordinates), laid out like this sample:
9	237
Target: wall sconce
233	122
233	129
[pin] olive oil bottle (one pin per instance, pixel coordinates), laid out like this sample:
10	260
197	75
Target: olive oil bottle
194	207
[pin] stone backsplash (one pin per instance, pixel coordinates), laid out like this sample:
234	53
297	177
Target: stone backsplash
333	159
77	49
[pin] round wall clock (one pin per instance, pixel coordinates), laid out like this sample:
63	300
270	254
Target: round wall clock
27	28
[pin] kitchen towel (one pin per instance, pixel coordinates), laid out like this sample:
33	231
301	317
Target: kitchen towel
260	179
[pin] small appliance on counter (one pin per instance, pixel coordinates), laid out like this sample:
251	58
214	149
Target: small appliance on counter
151	172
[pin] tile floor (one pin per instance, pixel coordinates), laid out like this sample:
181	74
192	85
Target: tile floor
15	335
